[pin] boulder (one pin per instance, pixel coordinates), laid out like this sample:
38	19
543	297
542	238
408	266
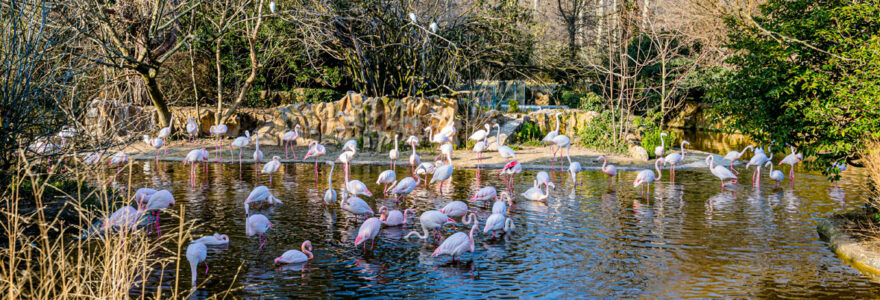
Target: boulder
638	153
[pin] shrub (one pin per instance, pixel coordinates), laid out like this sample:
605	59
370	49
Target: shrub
529	134
513	106
651	139
597	134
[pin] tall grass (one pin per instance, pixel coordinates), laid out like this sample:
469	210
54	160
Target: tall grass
45	258
871	157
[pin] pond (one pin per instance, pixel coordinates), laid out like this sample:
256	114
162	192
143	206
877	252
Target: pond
687	239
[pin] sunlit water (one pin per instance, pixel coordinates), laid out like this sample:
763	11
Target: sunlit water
688	239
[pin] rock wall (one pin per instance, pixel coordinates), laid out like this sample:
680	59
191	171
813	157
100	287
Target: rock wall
569	121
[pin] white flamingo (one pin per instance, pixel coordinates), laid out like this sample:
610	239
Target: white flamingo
260	194
296	256
481	134
441	174
536	194
458	243
548	139
758	160
543	178
258	155
485	193
456	209
213	240
192	129
155	143
647	176
500	205
386	177
561	141
499	222
289	140
394	154
609	170
258	225
156	203
350	145
315	150
431	220
720	171
776	175
675	158
239	143
368	231
503	150
117	159
436	138
355	205
164	133
272	166
330	193
394	217
791	159
660	150
405	186
414	159
195	254
219	131
734	155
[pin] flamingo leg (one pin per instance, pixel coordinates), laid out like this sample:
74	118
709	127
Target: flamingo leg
165	146
372	243
206	267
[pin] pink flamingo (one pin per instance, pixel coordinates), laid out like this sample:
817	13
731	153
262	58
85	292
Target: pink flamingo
441	174
157	202
535	194
386	177
720	171
484	193
315	150
219	131
734	155
647	176
295	256
609	170
498	222
775	175
394	217
164	133
500	206
142	195
791	159
456	209
431	220
414	158
345	158
216	239
195	254
368	231
548	139
289	139
660	150
404	187
117	159
272	166
155	143
481	143
458	243
258	155
124	218
330	193
505	151
192	129
511	168
355	205
757	160
675	158
239	143
194	156
258	225
260	194
394	154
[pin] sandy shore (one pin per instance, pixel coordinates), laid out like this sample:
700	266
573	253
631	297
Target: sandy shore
531	157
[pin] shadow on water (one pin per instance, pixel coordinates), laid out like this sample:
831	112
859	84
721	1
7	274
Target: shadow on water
688	239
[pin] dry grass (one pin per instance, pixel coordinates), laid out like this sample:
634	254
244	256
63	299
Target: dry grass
45	259
871	157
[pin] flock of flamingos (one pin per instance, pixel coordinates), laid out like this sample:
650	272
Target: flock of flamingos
153	201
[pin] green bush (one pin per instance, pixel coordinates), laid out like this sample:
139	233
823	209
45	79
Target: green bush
513	106
597	134
651	139
529	134
585	101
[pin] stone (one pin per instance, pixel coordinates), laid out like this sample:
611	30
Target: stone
638	153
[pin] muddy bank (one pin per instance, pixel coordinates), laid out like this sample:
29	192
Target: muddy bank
531	157
862	254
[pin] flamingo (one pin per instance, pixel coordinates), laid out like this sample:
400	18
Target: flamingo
441	174
498	222
405	186
315	150
394	217
260	194
734	155
272	166
125	218
485	193
548	139
142	195
91	158
438	138
573	169
543	178
720	171
414	157
481	134
345	158
776	175
192	129
117	159
500	206
536	194
445	149
216	239
456	209
386	177
609	170
355	205
219	131
675	158
368	231
289	140
561	141
240	142
479	148
394	154
155	143
194	156
647	176
350	145
511	168
504	151
425	168
449	130
458	243
430	220
195	254
791	159
157	202
164	133
330	193
660	150
356	187
757	160
258	225
296	256
258	155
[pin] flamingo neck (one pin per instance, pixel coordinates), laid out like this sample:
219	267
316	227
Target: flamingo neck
746	148
567	155
711	162
604	163
476	224
498	137
395	142
662	142
330	177
192	268
682	150
657	167
557	123
307	252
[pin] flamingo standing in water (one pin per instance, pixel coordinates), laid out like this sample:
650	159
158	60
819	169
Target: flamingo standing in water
609	170
414	159
345	158
431	220
675	158
315	150
404	187
155	143
458	243
196	253
296	256
219	131
117	159
573	169
156	203
720	171
125	218
776	175
791	159
445	149
536	194
258	225
758	160
216	239
548	139
647	176
503	150
543	178
142	195
260	194
485	193
330	193
258	155
272	166
192	129
660	150
386	177
289	140
500	205
443	173
194	156
498	222
425	169
368	231
394	217
240	143
355	205
456	209
394	154
511	168
164	133
734	155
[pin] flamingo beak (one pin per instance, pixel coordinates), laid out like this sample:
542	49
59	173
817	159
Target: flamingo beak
276	260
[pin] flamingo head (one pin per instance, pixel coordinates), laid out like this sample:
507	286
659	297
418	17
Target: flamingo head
601	157
221	237
450	220
662	134
277	259
510	165
637	182
358	240
276	157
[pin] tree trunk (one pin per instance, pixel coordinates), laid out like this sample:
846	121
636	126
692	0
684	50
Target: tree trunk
156	97
217	115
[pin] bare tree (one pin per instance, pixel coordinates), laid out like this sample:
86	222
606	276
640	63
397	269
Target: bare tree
572	14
